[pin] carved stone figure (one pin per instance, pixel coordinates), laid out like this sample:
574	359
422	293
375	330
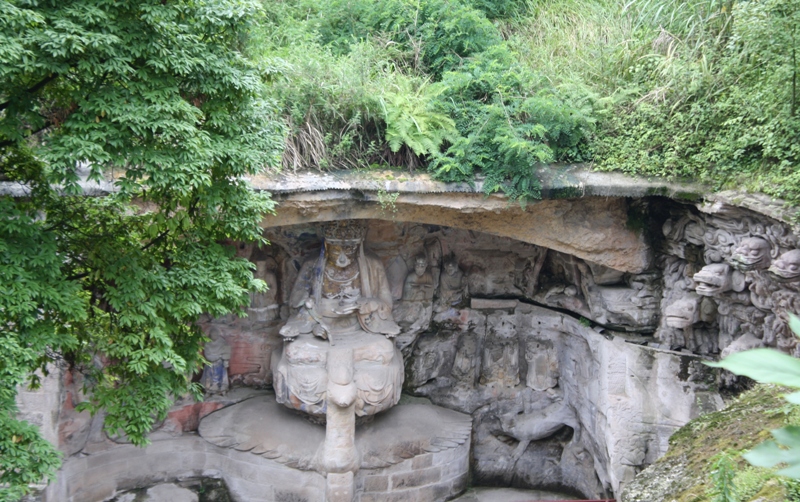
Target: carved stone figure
685	313
501	352
718	278
419	284
264	306
787	267
688	311
636	307
542	361
218	353
466	360
538	425
451	285
415	310
338	360
753	253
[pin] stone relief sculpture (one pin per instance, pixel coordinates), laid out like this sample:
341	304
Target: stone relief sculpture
741	251
452	287
786	269
752	253
718	278
419	284
465	364
218	353
542	359
501	353
680	307
413	313
339	361
264	306
527	427
634	306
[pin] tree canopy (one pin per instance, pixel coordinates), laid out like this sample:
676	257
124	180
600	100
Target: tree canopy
165	98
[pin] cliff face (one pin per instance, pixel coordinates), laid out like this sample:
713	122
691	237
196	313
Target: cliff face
572	330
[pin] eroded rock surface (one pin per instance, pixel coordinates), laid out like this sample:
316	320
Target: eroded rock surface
571	331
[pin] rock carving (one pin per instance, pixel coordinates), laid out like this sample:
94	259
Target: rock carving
787	267
753	253
338	361
718	278
451	285
218	353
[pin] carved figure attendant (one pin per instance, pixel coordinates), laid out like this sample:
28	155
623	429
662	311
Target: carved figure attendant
419	284
264	306
338	360
451	285
542	361
218	353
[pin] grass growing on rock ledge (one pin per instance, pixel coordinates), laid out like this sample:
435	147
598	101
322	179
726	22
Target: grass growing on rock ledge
700	89
686	472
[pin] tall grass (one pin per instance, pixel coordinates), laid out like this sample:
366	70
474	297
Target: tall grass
698	88
572	40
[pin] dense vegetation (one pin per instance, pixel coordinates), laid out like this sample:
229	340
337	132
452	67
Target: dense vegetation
705	89
163	96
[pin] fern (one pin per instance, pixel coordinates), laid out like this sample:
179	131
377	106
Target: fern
411	118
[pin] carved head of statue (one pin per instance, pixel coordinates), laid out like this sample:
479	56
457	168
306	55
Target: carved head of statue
787	267
752	253
420	265
451	266
682	313
342	241
689	310
717	278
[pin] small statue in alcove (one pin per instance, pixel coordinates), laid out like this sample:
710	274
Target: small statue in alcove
419	283
451	285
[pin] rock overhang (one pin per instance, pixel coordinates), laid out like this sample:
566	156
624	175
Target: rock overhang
582	213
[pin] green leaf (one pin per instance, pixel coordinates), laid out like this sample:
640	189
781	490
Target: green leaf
794	324
770	454
764	365
767	454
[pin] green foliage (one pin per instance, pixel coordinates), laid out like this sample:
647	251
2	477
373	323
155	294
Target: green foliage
450	94
752	480
387	201
722	476
717	96
509	121
412	120
162	96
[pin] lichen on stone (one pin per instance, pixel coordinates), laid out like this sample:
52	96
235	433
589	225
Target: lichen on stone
684	473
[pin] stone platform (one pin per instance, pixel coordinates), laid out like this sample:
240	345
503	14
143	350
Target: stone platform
412	452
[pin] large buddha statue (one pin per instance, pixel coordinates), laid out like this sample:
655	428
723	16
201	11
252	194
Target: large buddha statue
338	360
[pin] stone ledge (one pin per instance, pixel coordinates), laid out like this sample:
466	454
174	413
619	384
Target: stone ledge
559	181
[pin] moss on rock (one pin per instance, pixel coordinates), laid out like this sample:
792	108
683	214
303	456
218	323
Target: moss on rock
684	473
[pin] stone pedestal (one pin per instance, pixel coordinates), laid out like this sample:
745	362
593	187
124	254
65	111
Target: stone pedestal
410	452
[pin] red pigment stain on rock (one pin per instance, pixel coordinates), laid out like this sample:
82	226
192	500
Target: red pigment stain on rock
249	362
188	417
